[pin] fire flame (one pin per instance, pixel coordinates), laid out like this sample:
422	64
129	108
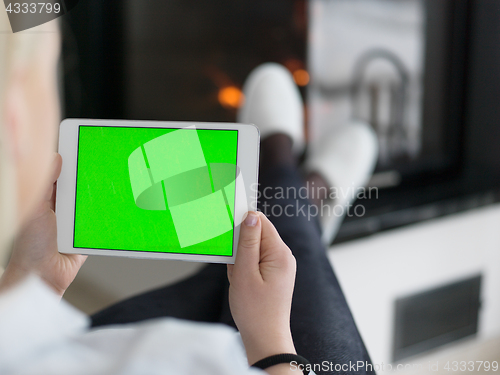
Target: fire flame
231	97
301	77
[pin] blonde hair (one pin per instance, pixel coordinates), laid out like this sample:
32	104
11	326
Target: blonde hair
7	187
16	51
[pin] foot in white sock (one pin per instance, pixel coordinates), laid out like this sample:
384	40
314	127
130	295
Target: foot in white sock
273	103
346	161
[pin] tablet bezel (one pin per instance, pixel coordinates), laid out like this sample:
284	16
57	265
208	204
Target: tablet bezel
247	161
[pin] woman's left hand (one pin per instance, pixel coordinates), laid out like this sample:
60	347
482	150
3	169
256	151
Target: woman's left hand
35	248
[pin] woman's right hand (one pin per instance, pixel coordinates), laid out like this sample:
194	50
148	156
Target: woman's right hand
261	287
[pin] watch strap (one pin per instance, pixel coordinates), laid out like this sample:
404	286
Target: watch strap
283	358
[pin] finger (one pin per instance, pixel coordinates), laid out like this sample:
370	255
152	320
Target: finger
248	254
270	237
76	259
56	172
273	250
56	167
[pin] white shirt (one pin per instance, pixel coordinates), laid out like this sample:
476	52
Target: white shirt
41	335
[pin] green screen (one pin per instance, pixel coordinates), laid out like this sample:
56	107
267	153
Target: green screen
156	190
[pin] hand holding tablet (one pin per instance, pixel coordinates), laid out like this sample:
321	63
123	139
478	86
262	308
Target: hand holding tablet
144	189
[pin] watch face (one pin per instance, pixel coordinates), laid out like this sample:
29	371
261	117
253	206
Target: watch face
156	189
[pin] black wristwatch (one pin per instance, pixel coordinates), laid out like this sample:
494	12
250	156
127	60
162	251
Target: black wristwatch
292	359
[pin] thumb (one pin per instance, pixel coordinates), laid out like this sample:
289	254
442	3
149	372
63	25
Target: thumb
248	253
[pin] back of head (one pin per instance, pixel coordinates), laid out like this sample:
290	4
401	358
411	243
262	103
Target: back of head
16	52
7	188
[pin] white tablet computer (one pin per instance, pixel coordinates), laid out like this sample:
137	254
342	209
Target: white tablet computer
152	189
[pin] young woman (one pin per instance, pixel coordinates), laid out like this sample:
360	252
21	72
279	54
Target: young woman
39	334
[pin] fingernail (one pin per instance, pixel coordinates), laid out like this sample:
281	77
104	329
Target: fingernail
251	219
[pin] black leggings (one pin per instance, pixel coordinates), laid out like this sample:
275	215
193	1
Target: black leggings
322	326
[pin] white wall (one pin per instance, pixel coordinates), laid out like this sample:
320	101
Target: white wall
376	270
